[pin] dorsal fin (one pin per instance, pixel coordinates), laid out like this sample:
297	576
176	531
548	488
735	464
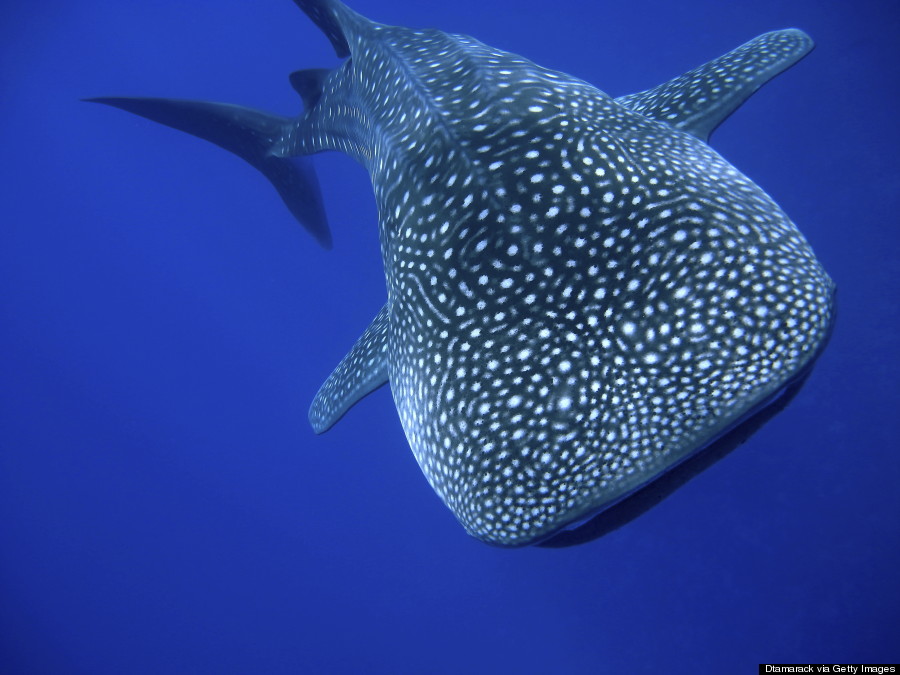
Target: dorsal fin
308	83
326	15
359	373
701	99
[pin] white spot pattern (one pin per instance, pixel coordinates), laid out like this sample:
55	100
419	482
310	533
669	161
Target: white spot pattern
579	295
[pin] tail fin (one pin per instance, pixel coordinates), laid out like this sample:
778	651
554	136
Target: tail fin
322	12
249	134
340	24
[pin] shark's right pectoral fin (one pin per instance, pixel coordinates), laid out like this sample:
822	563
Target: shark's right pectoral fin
250	134
700	100
362	371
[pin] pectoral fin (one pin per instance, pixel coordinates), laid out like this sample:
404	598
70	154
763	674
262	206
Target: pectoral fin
363	370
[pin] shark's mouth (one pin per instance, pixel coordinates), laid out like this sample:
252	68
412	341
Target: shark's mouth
634	503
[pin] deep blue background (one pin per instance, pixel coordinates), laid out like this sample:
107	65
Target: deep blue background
164	505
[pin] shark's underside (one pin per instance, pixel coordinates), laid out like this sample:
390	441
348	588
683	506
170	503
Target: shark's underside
581	293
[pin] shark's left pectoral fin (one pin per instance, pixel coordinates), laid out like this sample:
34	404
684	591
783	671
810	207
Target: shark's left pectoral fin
700	100
363	370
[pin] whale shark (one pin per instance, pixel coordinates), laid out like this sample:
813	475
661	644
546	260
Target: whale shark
582	295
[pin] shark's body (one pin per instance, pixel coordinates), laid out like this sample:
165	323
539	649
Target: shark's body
581	293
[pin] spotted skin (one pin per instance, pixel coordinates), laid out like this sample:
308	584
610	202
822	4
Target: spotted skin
362	371
698	101
581	293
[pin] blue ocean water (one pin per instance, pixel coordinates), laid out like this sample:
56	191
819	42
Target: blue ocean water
164	323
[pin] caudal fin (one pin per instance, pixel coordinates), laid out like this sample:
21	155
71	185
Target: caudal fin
250	134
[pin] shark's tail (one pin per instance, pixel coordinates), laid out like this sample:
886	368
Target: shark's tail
249	134
340	24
